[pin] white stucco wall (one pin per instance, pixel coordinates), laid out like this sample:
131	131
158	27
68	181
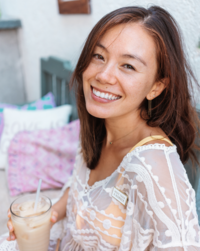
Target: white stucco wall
45	32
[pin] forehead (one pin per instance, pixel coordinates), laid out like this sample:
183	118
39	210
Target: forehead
129	38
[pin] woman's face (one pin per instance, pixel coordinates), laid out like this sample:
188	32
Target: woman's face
121	72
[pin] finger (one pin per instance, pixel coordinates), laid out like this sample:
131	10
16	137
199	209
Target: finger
54	213
13	237
10	226
54	216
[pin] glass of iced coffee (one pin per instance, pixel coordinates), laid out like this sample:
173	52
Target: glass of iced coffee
31	226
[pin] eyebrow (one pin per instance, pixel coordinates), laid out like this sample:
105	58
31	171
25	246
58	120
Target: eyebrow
125	55
101	46
134	57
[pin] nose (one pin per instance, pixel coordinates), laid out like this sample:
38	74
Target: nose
107	75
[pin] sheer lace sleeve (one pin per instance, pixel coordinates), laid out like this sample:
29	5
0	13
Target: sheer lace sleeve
161	211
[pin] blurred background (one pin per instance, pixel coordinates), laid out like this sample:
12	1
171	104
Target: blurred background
45	32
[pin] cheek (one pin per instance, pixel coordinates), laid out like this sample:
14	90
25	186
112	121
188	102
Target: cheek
137	88
85	77
88	74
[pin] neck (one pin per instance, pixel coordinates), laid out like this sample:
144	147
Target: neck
121	127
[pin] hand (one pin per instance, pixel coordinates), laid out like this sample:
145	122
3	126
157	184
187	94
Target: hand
12	236
54	217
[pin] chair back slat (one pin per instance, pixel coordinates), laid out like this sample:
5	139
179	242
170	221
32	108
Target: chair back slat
55	78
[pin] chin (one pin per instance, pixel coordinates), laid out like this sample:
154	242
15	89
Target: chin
97	112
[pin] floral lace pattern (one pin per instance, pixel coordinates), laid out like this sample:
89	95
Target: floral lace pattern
160	213
7	246
12	245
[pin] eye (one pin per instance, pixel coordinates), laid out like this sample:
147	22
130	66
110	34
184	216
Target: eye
128	66
98	56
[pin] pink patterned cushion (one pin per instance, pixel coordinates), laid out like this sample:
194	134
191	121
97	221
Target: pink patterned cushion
45	154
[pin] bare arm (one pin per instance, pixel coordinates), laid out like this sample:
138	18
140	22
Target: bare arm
60	206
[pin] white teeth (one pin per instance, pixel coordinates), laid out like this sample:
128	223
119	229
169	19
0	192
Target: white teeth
110	96
104	95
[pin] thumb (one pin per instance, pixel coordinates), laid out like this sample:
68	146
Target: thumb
54	217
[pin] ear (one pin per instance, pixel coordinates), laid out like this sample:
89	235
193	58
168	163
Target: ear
157	88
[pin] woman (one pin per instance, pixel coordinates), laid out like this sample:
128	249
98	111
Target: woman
129	188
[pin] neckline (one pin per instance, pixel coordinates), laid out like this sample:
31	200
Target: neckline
155	146
151	138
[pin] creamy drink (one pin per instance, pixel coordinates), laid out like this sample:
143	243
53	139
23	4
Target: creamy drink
32	227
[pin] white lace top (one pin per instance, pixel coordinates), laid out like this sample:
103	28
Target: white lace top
160	213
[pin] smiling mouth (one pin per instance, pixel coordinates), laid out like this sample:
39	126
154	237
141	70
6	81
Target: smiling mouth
105	95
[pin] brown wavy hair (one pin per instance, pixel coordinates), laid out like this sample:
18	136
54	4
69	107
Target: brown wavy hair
172	110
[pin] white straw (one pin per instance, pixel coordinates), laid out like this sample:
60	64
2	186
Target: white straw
38	194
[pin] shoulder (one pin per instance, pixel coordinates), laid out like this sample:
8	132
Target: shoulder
158	142
154	155
158	168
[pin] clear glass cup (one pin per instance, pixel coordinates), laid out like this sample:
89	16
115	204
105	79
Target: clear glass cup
32	228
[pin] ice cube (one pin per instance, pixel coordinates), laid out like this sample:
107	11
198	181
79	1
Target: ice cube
35	223
15	208
17	213
25	236
41	203
26	205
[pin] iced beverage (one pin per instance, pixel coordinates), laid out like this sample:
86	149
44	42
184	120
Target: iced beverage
32	227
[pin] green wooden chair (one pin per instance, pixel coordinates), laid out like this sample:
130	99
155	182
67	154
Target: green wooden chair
55	78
